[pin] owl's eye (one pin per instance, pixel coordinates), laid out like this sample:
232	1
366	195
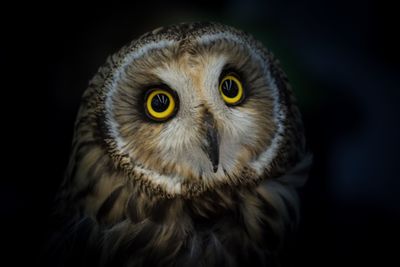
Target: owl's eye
231	89
159	104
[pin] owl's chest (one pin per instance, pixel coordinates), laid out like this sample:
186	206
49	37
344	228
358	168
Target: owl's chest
219	230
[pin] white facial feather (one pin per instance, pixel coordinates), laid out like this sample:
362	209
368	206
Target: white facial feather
180	139
265	159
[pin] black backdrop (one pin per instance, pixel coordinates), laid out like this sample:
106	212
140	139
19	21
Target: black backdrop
342	59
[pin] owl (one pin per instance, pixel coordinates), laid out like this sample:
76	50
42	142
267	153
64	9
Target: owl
187	151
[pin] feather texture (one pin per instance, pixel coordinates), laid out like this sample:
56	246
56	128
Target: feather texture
139	193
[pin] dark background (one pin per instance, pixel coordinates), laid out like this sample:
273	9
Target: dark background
342	60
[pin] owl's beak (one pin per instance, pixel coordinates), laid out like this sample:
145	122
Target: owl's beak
211	141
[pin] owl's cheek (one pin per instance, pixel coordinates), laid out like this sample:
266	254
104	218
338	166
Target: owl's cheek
229	155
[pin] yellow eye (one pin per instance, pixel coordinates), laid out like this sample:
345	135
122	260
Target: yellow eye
231	89
160	104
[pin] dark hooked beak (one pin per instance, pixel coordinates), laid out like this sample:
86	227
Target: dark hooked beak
211	141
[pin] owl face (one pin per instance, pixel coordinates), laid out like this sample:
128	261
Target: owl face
186	110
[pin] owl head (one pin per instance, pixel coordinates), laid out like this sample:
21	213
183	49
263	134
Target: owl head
187	140
188	108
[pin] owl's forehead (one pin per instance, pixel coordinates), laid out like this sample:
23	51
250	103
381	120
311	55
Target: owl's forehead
189	68
195	59
194	51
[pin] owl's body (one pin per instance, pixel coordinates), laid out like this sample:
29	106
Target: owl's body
195	179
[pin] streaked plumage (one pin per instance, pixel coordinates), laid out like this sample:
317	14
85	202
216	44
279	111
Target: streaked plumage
140	192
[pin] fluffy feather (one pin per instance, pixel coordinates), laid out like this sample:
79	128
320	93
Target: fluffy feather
140	193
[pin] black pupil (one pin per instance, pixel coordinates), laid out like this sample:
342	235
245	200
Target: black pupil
160	102
230	88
